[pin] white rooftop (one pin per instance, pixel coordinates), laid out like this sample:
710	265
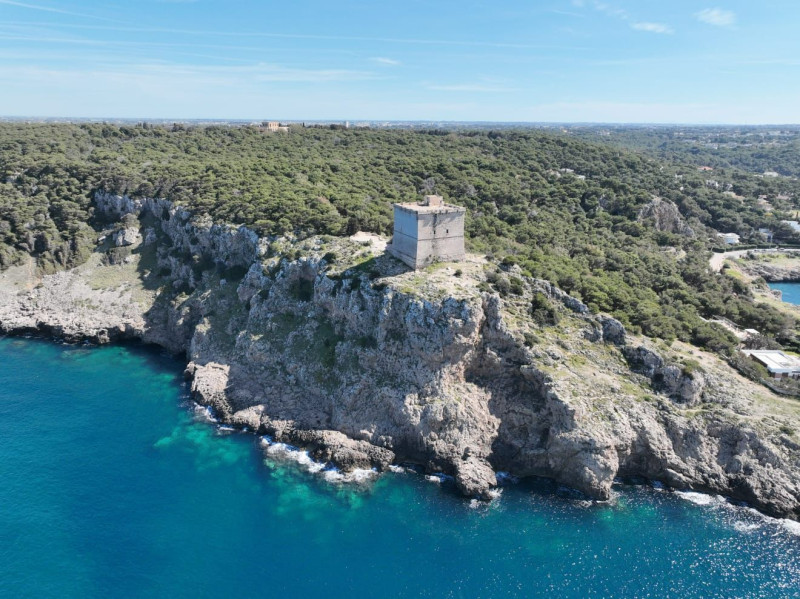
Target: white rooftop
774	360
793	224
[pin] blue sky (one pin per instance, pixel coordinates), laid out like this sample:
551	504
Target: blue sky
732	61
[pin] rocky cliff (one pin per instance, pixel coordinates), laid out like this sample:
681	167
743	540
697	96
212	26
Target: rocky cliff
665	216
333	345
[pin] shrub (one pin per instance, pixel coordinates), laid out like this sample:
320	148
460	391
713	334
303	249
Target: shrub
543	311
530	339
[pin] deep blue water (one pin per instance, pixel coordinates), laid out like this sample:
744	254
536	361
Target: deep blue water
111	487
791	291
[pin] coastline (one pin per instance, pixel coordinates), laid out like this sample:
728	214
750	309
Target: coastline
445	382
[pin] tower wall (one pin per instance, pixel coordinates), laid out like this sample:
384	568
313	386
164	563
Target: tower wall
425	234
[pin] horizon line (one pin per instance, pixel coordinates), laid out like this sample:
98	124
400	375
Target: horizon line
296	121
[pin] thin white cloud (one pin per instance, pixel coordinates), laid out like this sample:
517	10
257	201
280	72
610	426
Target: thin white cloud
305	36
55	10
653	28
717	17
784	62
611	11
257	72
180	91
386	61
136	45
619	13
471	87
190	75
566	13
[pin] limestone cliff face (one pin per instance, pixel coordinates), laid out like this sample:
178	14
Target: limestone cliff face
333	345
665	216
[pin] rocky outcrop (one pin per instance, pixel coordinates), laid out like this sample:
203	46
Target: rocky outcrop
65	305
665	216
127	236
365	364
606	329
680	383
786	270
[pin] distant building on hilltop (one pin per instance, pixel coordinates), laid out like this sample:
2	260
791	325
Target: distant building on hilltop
273	126
428	232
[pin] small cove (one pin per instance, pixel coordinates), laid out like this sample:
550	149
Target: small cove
790	291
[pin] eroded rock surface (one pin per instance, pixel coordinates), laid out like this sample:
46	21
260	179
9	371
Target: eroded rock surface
331	346
665	216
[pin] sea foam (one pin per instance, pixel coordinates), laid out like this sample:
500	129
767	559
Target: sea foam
203	413
438	477
329	473
700	498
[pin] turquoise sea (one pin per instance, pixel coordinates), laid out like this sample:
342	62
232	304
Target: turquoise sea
113	485
791	291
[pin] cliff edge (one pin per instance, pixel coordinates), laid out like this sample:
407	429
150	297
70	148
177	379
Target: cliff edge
463	368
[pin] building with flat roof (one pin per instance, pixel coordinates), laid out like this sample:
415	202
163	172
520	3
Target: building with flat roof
793	224
729	238
273	126
779	364
427	232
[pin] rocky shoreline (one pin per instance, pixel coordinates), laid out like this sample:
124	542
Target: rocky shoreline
333	346
785	270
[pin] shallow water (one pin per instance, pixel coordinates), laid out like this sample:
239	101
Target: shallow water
113	485
791	291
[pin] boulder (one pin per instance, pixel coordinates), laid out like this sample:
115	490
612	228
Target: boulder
613	330
126	237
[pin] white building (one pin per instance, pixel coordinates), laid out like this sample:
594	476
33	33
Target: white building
766	234
779	364
793	224
729	238
428	232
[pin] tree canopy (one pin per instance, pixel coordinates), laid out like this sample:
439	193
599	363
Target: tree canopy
564	209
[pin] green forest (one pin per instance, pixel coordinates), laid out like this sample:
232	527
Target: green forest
562	205
756	149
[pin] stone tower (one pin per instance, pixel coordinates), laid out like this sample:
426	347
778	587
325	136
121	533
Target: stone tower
428	232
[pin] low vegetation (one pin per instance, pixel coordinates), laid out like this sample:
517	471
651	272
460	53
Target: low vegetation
540	203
